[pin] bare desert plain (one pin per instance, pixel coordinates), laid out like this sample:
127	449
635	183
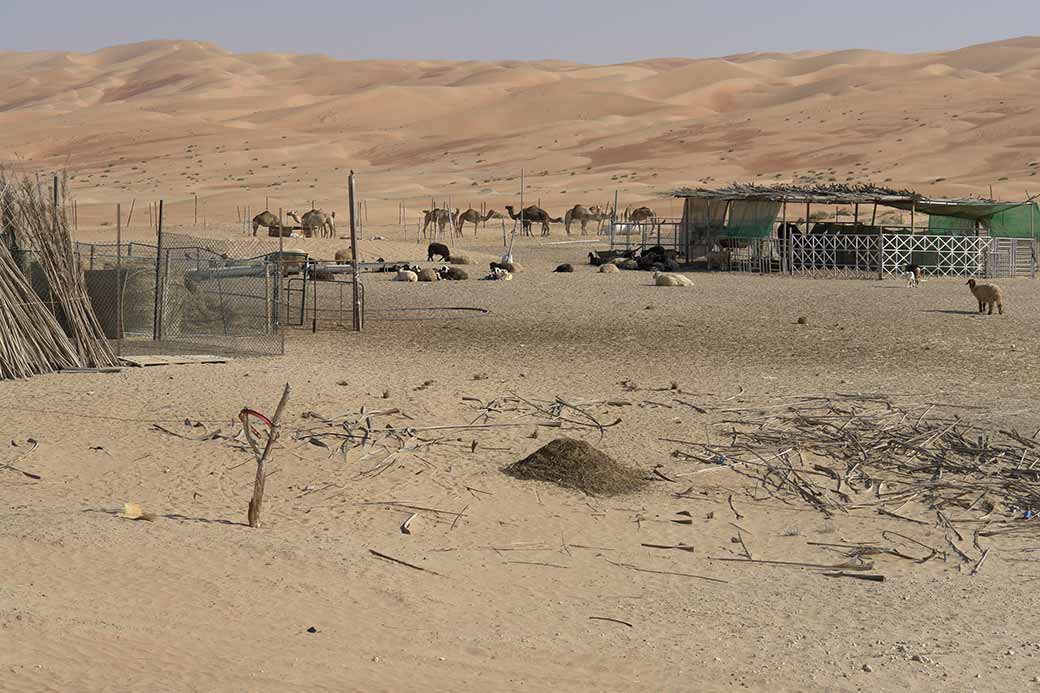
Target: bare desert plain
730	567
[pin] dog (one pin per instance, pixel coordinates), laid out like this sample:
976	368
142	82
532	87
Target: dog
913	276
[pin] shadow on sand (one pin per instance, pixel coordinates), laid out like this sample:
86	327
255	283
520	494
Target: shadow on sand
172	516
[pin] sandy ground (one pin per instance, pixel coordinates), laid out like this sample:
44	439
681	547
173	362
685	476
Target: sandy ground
515	571
196	601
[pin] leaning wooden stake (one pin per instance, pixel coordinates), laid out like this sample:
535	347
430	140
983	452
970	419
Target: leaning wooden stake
258	485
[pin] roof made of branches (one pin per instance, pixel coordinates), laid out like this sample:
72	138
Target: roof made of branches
834	193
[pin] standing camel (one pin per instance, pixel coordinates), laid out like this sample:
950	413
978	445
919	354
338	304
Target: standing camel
583	215
317	223
440	217
639	215
471	216
273	225
532	215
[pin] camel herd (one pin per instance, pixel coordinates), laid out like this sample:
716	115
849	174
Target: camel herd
437	220
314	224
319	224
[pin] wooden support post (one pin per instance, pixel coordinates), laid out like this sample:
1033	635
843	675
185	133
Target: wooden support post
788	240
913	217
355	270
256	502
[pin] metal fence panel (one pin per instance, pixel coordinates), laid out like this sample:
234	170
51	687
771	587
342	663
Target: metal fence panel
194	296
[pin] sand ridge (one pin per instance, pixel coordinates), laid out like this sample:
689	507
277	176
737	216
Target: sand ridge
173	119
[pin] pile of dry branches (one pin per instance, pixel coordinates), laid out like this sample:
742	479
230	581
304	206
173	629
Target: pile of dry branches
63	332
842	453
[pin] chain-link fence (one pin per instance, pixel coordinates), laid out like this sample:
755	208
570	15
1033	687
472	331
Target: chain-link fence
187	295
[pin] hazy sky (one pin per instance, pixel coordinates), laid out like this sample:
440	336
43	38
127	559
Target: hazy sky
598	31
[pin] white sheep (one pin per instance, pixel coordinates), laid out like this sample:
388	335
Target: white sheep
406	276
987	295
609	268
669	279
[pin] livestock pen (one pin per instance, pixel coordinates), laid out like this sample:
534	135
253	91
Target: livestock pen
773	229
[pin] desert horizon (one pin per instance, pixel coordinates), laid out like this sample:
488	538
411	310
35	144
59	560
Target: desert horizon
176	119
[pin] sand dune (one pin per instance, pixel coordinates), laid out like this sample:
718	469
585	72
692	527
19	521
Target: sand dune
453	129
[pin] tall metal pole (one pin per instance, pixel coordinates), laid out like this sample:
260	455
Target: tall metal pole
355	270
119	280
157	316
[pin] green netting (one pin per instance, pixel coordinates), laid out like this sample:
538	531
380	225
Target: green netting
951	226
1018	222
751	219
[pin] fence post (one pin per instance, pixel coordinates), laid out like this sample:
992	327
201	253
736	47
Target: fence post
355	270
119	281
881	255
157	317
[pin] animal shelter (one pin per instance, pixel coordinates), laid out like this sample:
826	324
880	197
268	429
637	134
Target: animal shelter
837	230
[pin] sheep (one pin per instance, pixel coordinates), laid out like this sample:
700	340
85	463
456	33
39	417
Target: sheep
452	274
608	268
428	275
438	249
669	279
595	260
629	264
987	295
565	267
406	276
511	267
459	259
344	256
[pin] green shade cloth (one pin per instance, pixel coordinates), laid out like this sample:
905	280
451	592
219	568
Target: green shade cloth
1016	222
1002	221
751	219
951	226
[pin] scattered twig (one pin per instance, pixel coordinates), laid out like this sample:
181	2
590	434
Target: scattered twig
377	554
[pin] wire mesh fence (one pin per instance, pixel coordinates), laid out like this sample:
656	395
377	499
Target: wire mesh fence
189	295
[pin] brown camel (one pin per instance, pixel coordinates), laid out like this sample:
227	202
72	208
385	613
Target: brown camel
274	227
639	215
583	215
440	217
316	223
532	215
471	216
265	219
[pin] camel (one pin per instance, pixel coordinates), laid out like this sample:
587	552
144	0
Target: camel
316	223
267	220
471	216
584	215
440	217
531	215
639	215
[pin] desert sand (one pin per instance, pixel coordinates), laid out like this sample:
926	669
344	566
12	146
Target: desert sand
518	575
173	120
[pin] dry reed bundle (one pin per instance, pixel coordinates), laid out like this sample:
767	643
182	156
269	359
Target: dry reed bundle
31	340
44	226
